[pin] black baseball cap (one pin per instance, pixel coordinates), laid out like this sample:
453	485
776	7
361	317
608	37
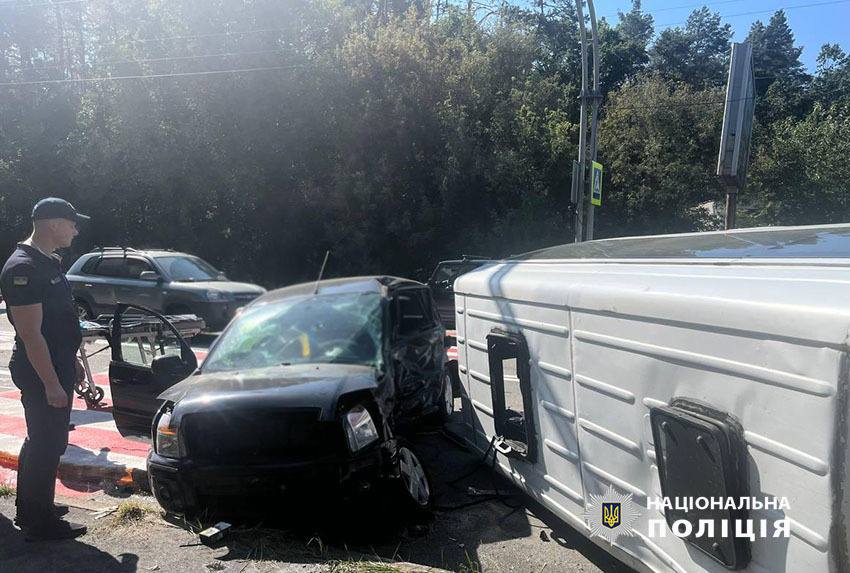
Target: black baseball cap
56	208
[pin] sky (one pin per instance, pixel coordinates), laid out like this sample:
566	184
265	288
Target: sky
815	24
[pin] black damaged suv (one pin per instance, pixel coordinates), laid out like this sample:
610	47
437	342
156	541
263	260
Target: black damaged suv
306	388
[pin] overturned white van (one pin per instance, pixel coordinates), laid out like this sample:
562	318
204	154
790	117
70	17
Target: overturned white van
720	358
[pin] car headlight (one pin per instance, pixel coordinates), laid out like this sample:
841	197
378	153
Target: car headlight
216	295
166	442
359	428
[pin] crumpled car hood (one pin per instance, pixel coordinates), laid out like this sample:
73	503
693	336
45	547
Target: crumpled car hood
295	386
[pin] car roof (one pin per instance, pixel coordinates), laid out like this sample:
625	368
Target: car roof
459	262
155	253
816	241
380	284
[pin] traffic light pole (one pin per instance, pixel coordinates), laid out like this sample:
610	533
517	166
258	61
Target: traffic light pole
592	98
594	114
582	130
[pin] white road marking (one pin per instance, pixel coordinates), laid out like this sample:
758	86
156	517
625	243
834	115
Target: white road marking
80	456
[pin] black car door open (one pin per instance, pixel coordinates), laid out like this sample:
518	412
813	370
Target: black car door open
148	356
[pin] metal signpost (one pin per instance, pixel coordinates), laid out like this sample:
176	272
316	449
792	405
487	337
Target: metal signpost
737	127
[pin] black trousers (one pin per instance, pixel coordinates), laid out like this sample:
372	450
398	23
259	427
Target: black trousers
47	438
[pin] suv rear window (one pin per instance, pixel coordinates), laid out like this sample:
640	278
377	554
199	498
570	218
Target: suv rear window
110	267
88	267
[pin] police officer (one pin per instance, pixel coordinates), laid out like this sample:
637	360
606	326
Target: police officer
44	364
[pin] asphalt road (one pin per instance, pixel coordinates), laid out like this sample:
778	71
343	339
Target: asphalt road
508	534
466	533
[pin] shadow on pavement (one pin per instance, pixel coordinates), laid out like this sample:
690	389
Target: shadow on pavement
16	554
84	480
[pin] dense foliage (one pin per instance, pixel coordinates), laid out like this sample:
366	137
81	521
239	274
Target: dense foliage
393	133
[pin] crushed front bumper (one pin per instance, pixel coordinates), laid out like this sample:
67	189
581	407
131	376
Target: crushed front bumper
185	487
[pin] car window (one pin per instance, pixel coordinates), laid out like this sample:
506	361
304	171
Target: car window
343	328
414	315
135	267
183	268
141	350
110	267
449	272
88	267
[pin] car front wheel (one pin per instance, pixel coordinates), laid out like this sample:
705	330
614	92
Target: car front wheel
413	483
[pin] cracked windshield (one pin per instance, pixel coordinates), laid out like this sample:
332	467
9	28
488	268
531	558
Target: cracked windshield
343	328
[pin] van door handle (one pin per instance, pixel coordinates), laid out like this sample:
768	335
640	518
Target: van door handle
88	285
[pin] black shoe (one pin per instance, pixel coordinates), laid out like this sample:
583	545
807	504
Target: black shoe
60	509
55	530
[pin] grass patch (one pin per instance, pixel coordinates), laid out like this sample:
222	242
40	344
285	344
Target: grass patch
470	566
130	512
6	490
361	567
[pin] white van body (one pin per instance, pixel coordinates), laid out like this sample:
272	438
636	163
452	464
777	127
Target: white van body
754	323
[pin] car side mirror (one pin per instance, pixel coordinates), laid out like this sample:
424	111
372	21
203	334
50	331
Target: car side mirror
170	369
151	276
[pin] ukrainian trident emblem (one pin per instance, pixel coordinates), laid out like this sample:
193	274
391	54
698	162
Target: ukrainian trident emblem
611	515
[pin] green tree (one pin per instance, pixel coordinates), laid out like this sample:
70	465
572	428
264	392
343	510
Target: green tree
658	142
697	54
781	79
624	47
831	84
799	176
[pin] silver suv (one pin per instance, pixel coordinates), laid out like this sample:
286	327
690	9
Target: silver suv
165	281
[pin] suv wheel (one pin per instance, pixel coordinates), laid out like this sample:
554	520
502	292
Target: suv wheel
83	309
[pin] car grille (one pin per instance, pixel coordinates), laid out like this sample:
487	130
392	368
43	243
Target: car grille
259	436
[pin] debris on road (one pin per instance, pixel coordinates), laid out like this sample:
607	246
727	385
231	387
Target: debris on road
214	534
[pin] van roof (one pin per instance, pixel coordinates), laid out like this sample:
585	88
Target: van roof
823	241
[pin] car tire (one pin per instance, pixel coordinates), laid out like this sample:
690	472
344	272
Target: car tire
453	370
447	398
445	403
83	309
412	483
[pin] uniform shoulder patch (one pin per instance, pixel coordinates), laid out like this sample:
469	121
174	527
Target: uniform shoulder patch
20	281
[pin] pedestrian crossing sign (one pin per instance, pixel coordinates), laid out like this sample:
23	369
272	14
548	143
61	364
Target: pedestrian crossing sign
596	184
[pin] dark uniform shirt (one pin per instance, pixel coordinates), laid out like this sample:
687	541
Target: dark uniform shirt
31	277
